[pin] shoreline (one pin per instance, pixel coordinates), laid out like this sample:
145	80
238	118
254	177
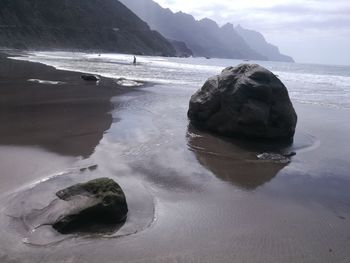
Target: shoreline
54	108
48	127
193	196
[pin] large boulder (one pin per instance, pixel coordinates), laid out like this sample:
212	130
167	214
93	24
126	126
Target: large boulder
100	201
247	100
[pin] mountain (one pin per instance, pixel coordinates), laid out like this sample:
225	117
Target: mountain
181	48
105	25
258	42
205	38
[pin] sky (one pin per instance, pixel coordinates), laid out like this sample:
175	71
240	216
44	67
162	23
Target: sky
311	31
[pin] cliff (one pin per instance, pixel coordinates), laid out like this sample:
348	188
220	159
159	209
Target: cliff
103	25
205	38
258	42
181	48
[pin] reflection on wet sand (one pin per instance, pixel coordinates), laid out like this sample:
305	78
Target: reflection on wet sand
234	161
66	129
69	118
65	116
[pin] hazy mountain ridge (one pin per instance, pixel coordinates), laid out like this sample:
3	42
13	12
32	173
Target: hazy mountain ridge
105	25
181	48
204	37
257	41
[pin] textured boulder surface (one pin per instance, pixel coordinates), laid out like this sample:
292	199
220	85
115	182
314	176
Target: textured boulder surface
90	77
100	201
247	100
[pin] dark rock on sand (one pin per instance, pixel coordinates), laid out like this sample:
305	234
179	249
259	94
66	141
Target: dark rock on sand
100	201
90	77
247	100
90	168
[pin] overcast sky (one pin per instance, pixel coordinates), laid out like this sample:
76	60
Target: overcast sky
312	31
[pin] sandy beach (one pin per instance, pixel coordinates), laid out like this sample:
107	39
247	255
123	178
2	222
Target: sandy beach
193	196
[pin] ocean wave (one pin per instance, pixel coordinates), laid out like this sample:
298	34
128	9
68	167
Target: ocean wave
316	84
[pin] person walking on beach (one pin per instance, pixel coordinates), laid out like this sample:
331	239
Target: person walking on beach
134	60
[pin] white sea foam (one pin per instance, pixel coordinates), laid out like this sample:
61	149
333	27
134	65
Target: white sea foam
316	84
49	82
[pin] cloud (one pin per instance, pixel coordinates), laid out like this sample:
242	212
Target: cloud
309	8
277	14
309	30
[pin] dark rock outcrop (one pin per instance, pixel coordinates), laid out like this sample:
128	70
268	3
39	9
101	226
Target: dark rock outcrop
248	101
103	25
100	201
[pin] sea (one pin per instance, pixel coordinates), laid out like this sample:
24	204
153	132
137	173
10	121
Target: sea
327	85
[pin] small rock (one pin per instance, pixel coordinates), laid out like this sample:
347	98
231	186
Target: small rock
100	201
276	157
93	167
90	77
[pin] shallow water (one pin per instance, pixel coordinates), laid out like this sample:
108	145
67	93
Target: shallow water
32	211
307	83
196	197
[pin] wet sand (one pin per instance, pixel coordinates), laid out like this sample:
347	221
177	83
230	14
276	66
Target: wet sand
193	196
68	118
